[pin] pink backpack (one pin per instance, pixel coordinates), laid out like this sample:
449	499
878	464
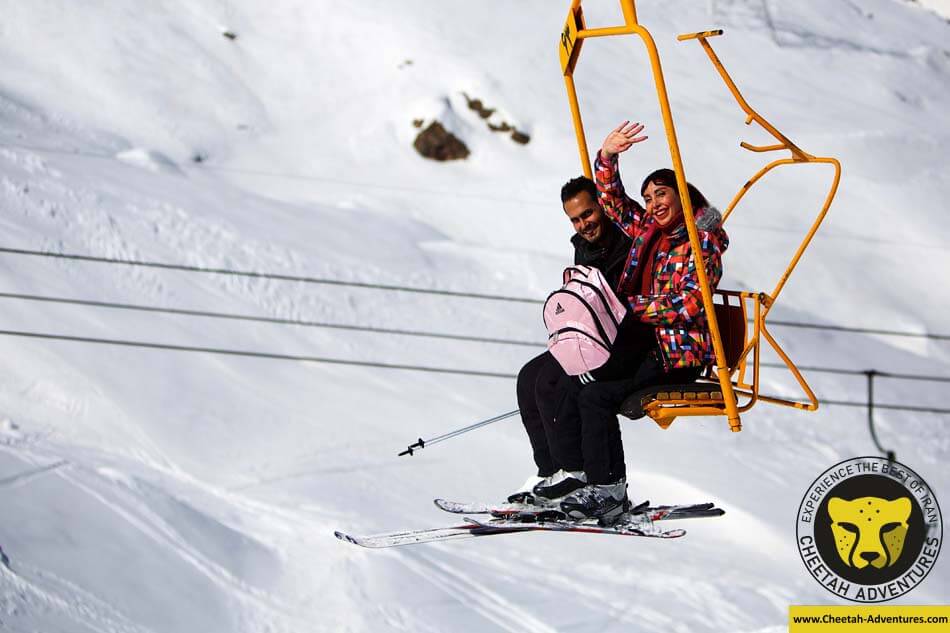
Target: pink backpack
582	320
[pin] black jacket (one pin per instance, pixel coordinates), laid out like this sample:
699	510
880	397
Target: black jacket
609	254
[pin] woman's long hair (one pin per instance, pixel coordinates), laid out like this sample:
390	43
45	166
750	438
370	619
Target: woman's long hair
667	178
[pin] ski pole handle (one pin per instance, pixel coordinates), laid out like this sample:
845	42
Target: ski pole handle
420	444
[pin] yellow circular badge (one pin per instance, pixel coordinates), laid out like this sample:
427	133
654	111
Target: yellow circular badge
869	530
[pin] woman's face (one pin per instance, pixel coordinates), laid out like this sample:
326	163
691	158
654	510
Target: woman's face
663	203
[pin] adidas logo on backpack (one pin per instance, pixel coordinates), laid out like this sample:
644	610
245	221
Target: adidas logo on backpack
582	318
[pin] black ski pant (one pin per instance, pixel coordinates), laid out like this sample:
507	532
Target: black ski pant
597	406
589	414
573	426
550	415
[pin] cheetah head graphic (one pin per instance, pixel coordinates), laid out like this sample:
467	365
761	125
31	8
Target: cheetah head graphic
869	530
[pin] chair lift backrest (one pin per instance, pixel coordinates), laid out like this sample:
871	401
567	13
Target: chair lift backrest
732	329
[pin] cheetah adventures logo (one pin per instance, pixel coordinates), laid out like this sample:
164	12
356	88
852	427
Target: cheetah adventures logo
869	530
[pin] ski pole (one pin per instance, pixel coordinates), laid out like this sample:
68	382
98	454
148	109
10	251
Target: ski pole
421	443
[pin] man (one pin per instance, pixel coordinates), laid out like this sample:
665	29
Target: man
541	387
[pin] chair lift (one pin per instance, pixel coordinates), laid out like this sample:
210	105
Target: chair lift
718	392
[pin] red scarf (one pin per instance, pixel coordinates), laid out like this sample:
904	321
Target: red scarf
659	241
641	282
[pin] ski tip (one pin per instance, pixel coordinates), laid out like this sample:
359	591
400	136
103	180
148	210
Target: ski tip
448	506
345	537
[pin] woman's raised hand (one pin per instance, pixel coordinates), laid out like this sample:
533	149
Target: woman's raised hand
622	138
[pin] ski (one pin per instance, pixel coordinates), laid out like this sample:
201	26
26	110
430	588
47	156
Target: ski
632	524
429	535
493	527
624	528
509	518
529	512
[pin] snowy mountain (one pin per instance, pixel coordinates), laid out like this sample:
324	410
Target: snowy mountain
159	490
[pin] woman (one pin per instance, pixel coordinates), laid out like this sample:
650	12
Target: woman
667	340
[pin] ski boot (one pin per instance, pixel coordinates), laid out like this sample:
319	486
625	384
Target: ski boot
607	503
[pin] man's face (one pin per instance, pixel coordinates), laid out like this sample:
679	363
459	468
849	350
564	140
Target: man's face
586	216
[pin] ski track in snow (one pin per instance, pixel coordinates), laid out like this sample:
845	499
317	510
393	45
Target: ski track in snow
256	602
576	586
26	477
593	586
57	596
259	606
493	606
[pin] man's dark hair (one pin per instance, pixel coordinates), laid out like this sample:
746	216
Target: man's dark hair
576	185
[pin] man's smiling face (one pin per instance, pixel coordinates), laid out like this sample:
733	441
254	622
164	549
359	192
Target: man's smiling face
586	215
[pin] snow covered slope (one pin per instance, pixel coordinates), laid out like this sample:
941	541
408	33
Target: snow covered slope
151	490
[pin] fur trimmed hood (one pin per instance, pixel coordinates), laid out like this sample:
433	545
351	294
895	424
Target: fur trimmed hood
708	219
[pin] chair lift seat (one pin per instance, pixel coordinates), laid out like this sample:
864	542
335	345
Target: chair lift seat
633	407
705	391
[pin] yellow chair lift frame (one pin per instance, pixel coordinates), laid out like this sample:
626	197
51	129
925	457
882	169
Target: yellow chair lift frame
669	403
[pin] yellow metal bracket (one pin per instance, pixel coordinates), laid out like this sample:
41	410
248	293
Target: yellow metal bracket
570	47
798	156
701	34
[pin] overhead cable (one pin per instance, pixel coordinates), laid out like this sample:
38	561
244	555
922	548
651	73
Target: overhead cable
861	372
413	289
251	354
400	332
304	177
274	320
339	361
261	275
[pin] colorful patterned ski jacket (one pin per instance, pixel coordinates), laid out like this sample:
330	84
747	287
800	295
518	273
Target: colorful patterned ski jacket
675	306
